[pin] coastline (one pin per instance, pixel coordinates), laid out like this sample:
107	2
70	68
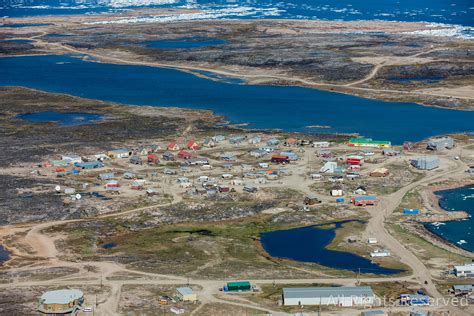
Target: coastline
427	234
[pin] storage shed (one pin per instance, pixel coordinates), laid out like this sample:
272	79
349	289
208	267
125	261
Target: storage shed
440	143
237	286
186	294
338	296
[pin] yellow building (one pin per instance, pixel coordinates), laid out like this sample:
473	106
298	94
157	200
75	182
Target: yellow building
61	301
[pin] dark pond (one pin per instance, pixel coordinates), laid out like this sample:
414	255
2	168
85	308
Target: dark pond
60	118
308	244
4	255
189	42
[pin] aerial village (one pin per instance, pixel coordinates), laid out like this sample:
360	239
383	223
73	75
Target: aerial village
347	175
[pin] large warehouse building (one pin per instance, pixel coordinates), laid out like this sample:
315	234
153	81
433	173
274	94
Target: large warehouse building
338	296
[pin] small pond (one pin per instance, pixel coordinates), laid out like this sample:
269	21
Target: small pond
4	255
188	42
308	244
60	118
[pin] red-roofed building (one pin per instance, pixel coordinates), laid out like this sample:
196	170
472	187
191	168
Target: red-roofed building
184	155
192	145
173	146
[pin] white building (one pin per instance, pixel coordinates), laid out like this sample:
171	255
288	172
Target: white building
337	296
466	270
186	294
380	253
321	144
72	158
329	167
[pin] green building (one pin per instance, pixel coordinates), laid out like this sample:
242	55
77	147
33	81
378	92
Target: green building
238	286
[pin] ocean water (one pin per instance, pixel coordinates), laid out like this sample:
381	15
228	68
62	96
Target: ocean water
280	107
61	118
308	244
458	12
460	233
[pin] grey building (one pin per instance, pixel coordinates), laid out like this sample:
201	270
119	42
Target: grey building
339	296
426	162
440	143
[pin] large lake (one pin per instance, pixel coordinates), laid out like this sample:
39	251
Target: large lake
287	108
460	233
308	244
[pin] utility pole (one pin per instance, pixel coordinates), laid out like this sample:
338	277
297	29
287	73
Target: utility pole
358	274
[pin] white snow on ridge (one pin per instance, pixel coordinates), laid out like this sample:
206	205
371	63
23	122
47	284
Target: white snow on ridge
446	30
134	3
213	14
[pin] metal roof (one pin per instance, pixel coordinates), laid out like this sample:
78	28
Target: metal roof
318	292
61	296
184	290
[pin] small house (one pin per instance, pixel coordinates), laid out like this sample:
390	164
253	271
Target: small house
106	176
360	190
119	153
355	160
184	154
218	138
198	161
311	199
470	170
129	175
379	172
273	142
254	140
250	189
152	159
89	165
137	184
263	165
227	176
228	157
192	145
186	294
152	192
321	144
414	300
237	139
136	160
72	159
208	142
337	191
390	152
291	141
380	253
258	153
462	289
168	156
172	146
372	240
315	176
279	159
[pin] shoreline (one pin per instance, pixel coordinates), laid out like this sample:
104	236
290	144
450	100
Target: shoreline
421	224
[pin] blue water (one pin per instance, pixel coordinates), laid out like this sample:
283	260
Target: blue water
109	245
308	244
17	41
191	42
22	24
458	199
440	11
4	255
61	118
284	107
